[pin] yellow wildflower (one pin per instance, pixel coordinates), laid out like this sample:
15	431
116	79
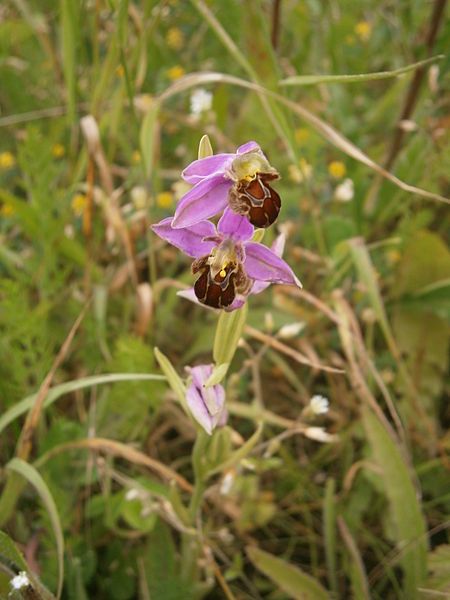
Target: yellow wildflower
175	38
363	30
120	71
175	73
301	135
78	204
58	150
337	169
6	209
164	199
136	157
7	160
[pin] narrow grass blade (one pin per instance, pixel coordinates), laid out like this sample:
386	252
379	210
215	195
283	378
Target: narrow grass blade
69	34
33	477
173	378
287	577
403	503
358	575
147	138
71	386
329	530
322	127
360	77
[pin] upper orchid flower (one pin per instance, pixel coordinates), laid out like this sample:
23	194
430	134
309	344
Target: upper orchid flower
227	262
240	181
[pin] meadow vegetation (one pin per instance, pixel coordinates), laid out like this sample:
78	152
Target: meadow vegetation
108	488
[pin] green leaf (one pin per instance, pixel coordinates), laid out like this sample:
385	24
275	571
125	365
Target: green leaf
162	573
219	372
10	556
33	477
69	35
205	148
243	451
71	386
329	530
229	330
173	378
286	576
403	500
314	79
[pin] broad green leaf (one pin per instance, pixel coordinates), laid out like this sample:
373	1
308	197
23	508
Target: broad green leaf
71	386
314	79
30	474
425	261
10	555
404	505
289	578
229	330
162	573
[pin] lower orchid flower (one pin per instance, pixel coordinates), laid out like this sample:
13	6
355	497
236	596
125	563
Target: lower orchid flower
241	181
207	404
228	263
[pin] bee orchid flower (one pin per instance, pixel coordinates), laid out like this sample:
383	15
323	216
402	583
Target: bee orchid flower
228	264
241	181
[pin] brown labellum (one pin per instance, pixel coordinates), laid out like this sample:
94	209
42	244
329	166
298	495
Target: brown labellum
219	291
256	199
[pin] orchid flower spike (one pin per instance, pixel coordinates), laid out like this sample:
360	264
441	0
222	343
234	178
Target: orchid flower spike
207	404
228	264
240	180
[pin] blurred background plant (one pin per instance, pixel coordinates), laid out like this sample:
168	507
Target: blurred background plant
102	104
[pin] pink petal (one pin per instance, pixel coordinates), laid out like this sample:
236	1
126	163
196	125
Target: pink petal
235	226
205	167
262	264
189	240
198	408
206	404
203	201
248	147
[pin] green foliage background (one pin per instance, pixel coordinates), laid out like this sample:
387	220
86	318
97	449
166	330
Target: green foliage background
365	516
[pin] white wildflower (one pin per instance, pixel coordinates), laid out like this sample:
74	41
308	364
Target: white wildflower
227	483
201	101
20	581
291	330
319	434
132	494
345	191
319	405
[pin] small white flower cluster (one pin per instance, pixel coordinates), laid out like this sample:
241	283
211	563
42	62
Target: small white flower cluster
319	405
20	581
201	101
